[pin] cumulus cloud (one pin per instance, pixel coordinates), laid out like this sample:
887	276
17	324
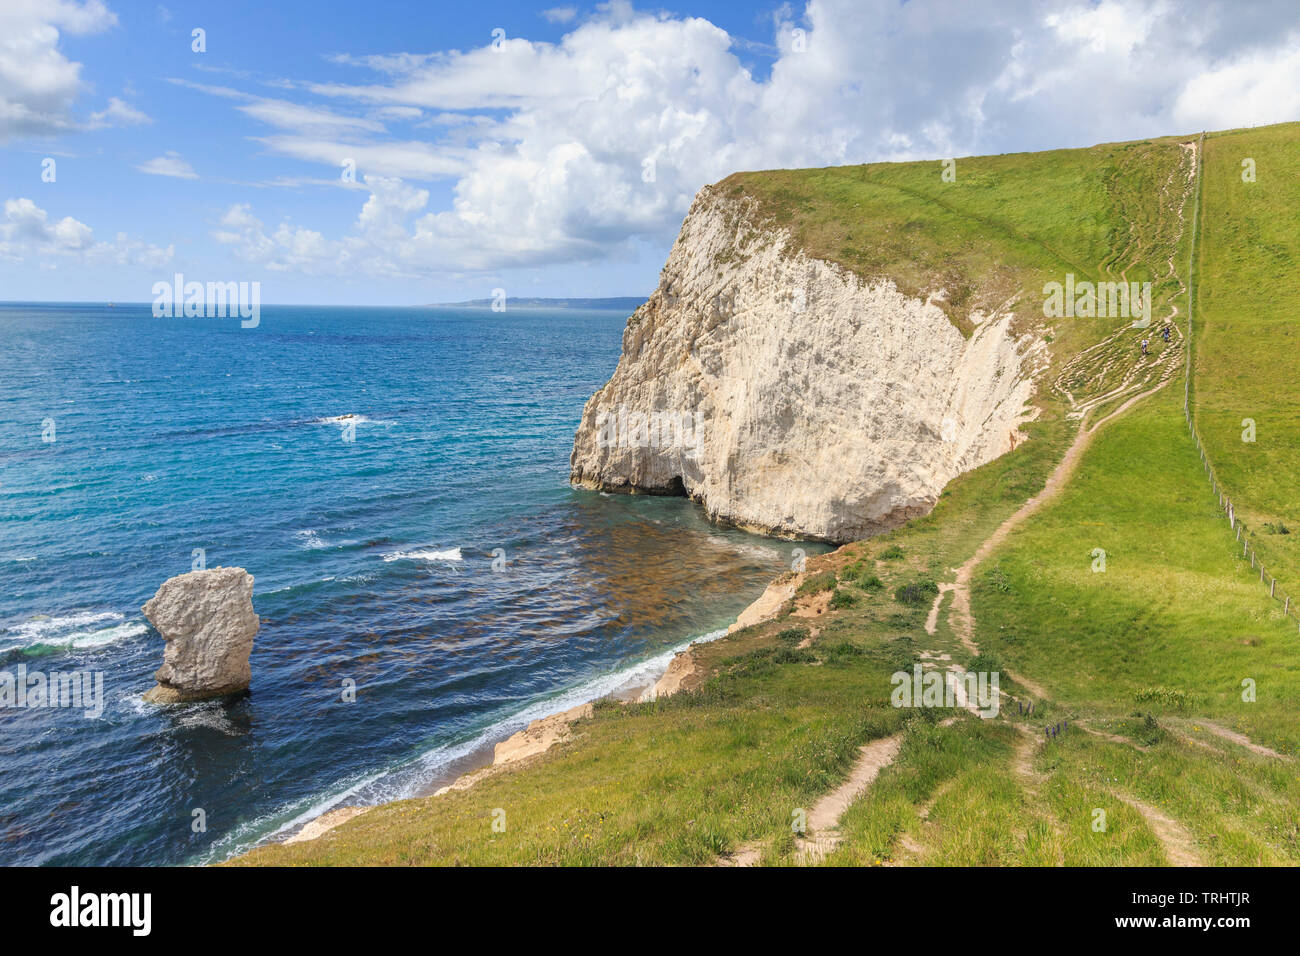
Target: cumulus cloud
38	84
28	232
570	151
389	238
169	164
1253	89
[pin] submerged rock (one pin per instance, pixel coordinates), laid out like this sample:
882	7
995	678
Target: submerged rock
207	619
790	397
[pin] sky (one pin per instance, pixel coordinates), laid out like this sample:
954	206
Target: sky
404	153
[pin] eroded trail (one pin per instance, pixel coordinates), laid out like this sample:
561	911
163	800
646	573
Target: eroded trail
823	820
1106	375
1177	841
1095	369
821	834
1232	736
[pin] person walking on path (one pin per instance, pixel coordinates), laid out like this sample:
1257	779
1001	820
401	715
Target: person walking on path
1145	343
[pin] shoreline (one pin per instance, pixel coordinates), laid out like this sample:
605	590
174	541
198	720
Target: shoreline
659	675
496	756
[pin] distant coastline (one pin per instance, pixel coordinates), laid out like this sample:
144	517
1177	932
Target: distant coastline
628	302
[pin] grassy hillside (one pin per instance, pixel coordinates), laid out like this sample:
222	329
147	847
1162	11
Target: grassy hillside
1141	664
1248	344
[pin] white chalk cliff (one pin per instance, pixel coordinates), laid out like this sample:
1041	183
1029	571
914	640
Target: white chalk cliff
803	401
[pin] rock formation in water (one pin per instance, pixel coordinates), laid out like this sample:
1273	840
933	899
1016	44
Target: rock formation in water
207	619
789	397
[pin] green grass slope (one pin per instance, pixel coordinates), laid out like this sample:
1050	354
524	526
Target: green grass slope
1247	351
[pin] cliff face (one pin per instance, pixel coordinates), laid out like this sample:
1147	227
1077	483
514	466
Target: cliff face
791	398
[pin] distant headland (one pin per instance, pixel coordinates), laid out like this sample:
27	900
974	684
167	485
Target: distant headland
628	302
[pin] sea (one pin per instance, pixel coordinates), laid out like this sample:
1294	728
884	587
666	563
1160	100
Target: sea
396	481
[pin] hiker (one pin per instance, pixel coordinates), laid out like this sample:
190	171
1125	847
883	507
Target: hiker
1165	333
1145	342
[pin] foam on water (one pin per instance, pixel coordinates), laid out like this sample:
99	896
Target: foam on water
311	541
71	631
451	554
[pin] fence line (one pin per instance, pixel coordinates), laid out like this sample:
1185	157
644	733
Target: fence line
1289	608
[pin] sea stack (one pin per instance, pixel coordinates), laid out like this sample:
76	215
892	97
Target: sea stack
207	619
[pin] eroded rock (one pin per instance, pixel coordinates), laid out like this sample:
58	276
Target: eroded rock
207	619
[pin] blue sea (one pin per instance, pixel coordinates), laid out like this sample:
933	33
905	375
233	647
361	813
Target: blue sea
132	447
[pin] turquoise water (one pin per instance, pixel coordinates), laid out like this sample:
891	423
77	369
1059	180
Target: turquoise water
373	559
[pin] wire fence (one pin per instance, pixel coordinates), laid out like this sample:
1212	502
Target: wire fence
1244	535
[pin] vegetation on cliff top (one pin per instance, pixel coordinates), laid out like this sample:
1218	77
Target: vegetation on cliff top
1003	226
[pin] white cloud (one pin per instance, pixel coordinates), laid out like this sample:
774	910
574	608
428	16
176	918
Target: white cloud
38	84
286	114
118	113
409	159
379	244
570	151
560	14
27	232
169	164
1253	89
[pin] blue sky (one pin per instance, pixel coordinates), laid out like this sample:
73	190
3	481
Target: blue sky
556	157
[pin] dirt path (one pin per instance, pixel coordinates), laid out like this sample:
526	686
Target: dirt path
1022	760
823	819
1232	736
1179	847
932	619
959	614
823	834
1104	735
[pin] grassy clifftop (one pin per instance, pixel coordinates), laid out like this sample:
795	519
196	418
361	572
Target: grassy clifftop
988	227
1120	604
